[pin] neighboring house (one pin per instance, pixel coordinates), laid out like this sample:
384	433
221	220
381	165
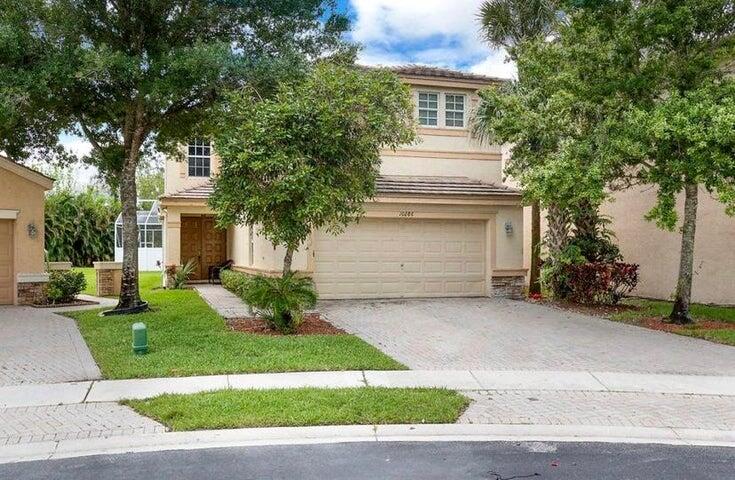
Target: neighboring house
22	265
150	237
442	223
657	251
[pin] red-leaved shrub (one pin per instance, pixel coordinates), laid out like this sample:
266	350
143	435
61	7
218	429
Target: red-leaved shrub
605	283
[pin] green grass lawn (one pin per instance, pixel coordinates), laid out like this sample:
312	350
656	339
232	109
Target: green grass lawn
659	308
302	407
186	337
89	277
150	279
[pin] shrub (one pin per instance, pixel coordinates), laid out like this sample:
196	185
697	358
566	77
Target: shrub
281	301
178	276
64	286
80	226
236	282
597	282
554	273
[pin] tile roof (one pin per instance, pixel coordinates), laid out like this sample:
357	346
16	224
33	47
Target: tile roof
200	191
436	72
397	185
424	185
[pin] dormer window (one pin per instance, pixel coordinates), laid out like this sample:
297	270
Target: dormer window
200	158
428	108
454	110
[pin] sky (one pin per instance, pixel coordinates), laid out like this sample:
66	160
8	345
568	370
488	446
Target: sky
440	33
431	32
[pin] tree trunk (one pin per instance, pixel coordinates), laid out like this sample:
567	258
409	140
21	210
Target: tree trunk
680	313
134	134
586	220
287	260
129	291
534	287
557	238
558	234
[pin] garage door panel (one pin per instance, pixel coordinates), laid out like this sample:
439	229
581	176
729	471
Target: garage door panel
387	258
474	248
475	267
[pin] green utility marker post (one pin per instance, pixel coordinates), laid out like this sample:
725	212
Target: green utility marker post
140	338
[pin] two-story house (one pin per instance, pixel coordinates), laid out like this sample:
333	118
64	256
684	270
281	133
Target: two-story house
442	224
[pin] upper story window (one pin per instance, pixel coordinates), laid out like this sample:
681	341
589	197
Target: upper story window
428	108
200	158
454	110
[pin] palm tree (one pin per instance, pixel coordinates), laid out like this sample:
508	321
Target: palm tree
507	24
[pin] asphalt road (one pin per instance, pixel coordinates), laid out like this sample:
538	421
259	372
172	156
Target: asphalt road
397	460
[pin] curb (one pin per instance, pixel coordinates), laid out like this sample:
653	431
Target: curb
251	437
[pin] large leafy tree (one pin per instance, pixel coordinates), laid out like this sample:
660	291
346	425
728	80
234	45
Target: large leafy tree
677	133
631	93
26	126
307	158
508	24
132	75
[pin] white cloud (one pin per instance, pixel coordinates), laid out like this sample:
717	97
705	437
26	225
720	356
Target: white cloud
430	32
496	65
384	21
82	173
77	145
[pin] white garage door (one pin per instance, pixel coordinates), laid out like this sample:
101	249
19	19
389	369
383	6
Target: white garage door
389	258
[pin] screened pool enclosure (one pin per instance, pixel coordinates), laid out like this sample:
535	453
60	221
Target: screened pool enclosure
150	237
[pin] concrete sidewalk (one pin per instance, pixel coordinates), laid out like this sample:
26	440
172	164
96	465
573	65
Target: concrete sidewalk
465	380
83	418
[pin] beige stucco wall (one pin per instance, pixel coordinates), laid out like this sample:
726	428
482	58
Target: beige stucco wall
439	151
27	198
657	251
176	174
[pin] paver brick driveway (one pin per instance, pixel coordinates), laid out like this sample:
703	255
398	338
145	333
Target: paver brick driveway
495	334
38	346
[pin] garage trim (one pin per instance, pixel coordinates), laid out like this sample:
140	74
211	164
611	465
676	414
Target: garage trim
6	214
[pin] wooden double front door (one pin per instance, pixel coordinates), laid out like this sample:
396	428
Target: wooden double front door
202	241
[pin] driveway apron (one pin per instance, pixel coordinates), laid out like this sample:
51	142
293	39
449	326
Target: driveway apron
497	334
39	346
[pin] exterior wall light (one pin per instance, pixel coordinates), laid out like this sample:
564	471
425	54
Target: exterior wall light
32	230
508	228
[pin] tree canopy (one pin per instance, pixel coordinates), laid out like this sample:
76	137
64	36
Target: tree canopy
626	93
137	75
308	157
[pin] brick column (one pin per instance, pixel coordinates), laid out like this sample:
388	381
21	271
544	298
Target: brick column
508	284
32	288
108	276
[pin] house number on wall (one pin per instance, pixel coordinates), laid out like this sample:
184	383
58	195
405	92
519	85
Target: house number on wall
405	213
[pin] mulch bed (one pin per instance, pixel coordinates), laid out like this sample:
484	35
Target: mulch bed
313	324
75	303
654	323
597	310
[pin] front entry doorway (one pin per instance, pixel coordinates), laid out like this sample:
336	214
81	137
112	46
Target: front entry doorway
202	241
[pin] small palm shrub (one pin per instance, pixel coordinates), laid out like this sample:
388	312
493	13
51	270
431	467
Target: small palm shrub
178	276
281	301
64	286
